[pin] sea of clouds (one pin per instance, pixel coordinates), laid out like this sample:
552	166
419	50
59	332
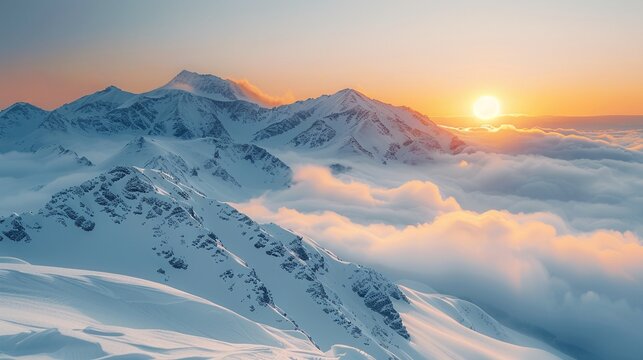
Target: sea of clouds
541	227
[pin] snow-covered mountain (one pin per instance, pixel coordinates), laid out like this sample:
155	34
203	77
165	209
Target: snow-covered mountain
192	106
57	153
88	112
20	119
348	123
60	313
165	113
147	224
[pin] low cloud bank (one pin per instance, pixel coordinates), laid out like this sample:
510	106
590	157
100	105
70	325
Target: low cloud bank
412	202
27	180
568	144
630	139
588	194
583	288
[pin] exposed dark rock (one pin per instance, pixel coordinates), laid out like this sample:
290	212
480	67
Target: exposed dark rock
136	185
297	247
84	224
317	135
178	263
225	176
375	291
16	231
337	168
282	126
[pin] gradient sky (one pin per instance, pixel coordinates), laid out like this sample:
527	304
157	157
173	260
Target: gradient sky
564	57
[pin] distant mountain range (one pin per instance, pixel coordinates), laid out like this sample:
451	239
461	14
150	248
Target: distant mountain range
191	106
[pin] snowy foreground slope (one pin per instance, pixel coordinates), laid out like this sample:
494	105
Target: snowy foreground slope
147	224
52	312
77	314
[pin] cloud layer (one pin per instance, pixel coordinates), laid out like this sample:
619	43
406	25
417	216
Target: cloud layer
27	180
555	143
316	188
576	286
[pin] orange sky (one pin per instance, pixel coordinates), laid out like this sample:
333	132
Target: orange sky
553	57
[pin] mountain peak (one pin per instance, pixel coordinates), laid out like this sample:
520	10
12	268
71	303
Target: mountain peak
185	72
20	119
206	85
351	95
348	91
22	105
350	98
193	81
110	88
190	76
96	104
212	87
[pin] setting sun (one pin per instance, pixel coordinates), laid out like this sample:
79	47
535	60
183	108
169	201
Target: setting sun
486	108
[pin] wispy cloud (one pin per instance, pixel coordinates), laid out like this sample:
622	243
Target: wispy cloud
258	95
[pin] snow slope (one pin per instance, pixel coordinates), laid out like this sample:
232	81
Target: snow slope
49	312
444	327
222	170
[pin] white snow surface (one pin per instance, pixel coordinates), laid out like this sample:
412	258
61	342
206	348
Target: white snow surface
59	313
444	327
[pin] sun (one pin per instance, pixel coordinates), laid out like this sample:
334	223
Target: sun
486	107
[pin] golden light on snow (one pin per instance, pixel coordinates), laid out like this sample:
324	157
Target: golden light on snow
486	107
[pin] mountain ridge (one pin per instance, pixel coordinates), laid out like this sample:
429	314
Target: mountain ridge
272	271
193	105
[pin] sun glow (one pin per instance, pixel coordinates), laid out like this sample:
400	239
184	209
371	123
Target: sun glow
486	107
